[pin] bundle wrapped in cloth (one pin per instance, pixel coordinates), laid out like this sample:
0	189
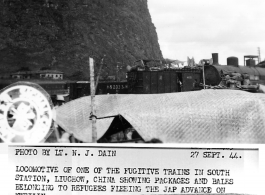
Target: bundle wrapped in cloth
237	81
207	116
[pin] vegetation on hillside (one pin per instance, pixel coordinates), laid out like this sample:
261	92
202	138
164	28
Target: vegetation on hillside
63	34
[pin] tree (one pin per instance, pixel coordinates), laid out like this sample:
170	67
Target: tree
78	75
24	69
45	68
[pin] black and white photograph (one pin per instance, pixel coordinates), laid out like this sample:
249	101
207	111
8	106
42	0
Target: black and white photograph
83	71
164	76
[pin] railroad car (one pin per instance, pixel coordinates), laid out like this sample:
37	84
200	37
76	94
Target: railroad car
82	88
53	87
164	81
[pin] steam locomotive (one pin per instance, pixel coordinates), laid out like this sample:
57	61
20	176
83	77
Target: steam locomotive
215	73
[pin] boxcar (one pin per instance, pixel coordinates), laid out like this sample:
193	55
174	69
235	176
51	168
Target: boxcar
164	81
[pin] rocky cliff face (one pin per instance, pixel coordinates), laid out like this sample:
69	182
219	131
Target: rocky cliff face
63	34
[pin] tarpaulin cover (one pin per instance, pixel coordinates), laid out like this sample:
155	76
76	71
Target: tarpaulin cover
207	116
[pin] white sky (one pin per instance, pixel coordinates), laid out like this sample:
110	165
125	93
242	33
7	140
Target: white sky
198	28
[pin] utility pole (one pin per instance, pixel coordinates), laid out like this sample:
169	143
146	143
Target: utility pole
118	68
203	75
93	106
117	71
259	55
99	72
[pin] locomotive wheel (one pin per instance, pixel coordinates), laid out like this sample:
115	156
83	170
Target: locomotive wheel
25	113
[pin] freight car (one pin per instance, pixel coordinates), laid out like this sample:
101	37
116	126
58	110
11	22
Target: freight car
164	81
156	76
52	87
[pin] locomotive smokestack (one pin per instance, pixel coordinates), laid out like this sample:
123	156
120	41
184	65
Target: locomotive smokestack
215	58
